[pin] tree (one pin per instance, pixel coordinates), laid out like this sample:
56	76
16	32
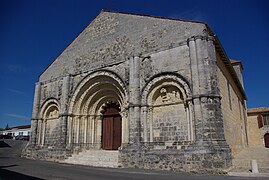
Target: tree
7	127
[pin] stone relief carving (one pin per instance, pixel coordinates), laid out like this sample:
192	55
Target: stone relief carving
168	95
151	84
151	41
147	68
147	43
44	93
164	95
127	75
60	85
121	48
71	86
53	114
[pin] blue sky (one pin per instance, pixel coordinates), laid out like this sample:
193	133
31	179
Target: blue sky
34	33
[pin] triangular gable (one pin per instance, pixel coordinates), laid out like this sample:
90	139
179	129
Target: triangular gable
113	37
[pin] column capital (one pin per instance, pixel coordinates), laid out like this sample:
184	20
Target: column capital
201	37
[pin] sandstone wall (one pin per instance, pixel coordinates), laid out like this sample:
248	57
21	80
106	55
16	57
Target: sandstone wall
137	56
232	105
255	134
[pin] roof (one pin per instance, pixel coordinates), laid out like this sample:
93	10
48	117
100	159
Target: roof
258	110
236	62
229	65
22	127
158	17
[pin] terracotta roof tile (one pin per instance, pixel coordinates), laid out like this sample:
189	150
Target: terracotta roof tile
258	110
234	61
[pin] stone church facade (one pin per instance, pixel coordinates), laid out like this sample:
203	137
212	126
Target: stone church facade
161	92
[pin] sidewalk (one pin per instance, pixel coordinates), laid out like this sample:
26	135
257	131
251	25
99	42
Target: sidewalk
248	174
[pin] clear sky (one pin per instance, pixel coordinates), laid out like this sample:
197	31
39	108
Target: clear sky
34	33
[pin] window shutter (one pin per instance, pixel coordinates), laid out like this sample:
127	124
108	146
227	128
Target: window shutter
259	118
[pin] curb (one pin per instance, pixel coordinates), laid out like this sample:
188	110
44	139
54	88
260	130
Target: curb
246	174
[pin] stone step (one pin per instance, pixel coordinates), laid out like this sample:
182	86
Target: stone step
95	159
100	155
98	158
95	164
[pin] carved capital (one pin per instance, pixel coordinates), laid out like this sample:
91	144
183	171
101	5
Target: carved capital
194	38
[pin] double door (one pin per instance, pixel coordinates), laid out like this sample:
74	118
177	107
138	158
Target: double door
111	130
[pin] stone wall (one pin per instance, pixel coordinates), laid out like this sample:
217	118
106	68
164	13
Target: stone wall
185	157
257	126
164	76
113	37
255	134
233	110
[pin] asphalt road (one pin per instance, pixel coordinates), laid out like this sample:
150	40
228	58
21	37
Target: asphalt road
14	167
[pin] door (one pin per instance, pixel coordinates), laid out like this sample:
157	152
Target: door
111	128
266	140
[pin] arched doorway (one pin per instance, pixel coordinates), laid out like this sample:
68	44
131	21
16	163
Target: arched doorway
266	140
111	128
88	105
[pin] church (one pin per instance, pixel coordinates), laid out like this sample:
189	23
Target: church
140	91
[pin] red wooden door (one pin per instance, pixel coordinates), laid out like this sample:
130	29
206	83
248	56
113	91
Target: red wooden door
107	133
266	140
111	129
116	132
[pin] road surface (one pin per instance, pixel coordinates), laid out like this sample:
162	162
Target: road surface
14	167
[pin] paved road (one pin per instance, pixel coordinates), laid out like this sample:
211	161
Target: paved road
14	167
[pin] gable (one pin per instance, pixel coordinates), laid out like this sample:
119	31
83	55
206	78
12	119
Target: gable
113	37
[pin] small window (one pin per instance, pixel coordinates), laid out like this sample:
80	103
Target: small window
266	140
265	119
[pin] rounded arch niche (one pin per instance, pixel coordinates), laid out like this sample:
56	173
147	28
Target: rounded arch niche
49	124
168	111
92	94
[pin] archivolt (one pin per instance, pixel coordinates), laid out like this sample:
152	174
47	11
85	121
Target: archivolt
166	79
47	104
95	88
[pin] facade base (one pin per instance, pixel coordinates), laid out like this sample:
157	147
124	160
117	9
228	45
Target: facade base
46	153
180	157
190	158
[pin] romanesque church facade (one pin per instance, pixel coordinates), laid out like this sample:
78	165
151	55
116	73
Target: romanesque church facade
159	92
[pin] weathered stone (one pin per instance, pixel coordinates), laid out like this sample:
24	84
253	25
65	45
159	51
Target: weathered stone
159	76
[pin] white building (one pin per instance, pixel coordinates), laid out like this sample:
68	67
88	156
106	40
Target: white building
18	130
